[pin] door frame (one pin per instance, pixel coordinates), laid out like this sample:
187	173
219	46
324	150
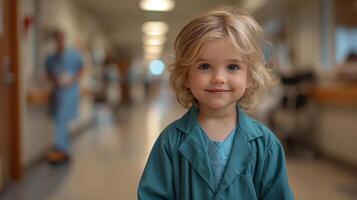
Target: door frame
15	117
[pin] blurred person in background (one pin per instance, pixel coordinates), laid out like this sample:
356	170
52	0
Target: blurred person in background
352	57
64	68
347	71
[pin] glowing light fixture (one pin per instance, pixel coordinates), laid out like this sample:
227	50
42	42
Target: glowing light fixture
156	67
151	56
153	49
156	40
155	28
157	5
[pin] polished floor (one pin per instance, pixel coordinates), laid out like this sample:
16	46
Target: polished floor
108	160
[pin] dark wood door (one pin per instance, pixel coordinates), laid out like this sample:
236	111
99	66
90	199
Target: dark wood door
8	92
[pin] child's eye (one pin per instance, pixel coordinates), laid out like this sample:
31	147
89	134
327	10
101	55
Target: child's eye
204	66
233	67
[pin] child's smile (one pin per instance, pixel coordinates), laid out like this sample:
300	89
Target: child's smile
219	77
218	91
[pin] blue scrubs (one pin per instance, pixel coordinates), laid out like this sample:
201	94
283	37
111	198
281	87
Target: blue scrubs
218	152
65	99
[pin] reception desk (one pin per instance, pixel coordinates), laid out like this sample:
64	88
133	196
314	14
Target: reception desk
335	93
336	128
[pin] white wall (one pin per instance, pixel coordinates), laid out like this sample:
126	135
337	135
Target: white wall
337	132
27	68
304	34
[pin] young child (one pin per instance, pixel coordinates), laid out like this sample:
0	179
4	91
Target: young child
216	151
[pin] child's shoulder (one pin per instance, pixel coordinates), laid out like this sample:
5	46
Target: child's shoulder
171	132
179	128
261	133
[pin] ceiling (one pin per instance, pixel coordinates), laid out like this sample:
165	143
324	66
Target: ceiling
122	20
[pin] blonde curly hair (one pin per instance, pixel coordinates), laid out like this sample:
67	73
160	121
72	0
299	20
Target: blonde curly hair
247	36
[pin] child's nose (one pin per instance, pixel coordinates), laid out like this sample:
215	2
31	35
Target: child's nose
218	78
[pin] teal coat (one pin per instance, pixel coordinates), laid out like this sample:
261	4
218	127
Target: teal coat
179	167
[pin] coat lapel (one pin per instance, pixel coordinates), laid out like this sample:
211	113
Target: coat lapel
193	147
240	157
241	153
194	150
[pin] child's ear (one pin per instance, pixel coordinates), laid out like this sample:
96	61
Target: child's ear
187	79
249	83
187	83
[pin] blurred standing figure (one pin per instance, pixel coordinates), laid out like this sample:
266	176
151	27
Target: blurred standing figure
64	67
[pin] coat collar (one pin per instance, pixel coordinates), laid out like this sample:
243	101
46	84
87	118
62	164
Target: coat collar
194	150
189	121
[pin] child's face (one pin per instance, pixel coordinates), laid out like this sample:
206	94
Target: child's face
219	76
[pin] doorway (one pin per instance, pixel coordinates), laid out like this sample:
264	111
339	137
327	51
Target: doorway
10	167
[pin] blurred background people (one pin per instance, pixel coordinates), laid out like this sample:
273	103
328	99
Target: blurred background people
64	68
347	71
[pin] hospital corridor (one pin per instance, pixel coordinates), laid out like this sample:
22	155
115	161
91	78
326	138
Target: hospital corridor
92	140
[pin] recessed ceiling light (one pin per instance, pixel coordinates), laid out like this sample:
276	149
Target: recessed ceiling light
155	28
150	40
157	5
149	56
153	49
